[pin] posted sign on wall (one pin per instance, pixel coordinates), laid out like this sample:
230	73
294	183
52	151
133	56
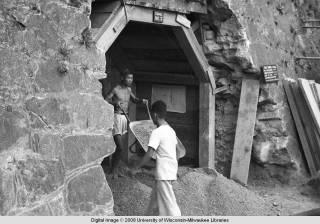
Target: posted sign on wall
270	73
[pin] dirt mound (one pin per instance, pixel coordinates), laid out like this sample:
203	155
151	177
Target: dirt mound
198	192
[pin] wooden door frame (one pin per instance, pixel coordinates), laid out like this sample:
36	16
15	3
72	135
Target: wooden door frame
118	20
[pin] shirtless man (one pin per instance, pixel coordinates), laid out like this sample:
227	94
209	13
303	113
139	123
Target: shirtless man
119	97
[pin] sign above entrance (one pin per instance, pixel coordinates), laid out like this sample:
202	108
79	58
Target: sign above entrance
157	16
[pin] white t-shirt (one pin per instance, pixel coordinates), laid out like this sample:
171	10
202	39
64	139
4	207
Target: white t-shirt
164	140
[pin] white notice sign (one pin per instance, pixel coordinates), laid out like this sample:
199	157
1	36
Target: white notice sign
173	96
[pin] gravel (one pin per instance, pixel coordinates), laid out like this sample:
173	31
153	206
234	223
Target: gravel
198	191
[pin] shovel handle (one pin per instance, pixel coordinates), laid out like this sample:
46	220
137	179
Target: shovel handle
147	105
125	114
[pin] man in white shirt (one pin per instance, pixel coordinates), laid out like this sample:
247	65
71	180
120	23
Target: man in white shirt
162	143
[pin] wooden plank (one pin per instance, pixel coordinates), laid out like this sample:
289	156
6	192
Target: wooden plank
195	57
161	66
308	124
111	29
169	78
299	125
161	55
182	6
245	130
145	15
316	89
146	41
206	126
311	102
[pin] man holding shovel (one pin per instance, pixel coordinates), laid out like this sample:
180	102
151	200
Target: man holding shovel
119	97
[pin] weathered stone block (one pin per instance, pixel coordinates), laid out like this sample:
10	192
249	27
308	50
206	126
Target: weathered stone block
70	21
7	192
49	110
88	192
273	151
49	146
36	178
13	125
79	110
82	149
49	78
57	205
91	111
41	210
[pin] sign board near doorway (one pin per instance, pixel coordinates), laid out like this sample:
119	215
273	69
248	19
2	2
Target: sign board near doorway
174	96
270	73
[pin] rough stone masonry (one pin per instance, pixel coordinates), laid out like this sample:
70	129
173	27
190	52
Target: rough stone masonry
55	127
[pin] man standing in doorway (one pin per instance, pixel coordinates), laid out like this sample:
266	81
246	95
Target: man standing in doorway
119	97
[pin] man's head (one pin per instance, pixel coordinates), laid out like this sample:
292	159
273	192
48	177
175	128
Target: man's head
127	77
158	111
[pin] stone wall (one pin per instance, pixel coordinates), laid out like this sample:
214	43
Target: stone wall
248	35
55	127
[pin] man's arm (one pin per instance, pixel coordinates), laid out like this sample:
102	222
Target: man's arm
110	97
135	99
146	158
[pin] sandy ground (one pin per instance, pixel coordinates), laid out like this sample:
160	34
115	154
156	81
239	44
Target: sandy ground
206	192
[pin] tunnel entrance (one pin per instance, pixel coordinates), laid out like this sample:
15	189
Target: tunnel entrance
162	51
161	71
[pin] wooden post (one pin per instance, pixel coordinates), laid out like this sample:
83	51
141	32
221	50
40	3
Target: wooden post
206	126
245	130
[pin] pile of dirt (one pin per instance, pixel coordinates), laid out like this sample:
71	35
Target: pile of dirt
198	192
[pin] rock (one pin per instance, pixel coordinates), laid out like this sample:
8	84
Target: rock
89	193
41	210
13	125
80	111
87	148
272	152
36	179
57	205
49	110
49	146
7	191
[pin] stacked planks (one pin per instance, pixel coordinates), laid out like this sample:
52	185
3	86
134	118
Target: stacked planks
304	101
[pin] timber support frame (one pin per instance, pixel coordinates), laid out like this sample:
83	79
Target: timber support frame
121	16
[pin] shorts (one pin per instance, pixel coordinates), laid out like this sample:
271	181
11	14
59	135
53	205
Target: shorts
120	125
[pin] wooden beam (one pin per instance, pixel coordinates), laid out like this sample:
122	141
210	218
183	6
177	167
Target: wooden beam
161	54
131	41
206	126
168	78
299	124
161	66
145	15
311	102
182	6
111	29
195	55
245	130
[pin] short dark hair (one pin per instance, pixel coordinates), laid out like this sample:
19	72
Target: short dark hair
125	72
159	107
